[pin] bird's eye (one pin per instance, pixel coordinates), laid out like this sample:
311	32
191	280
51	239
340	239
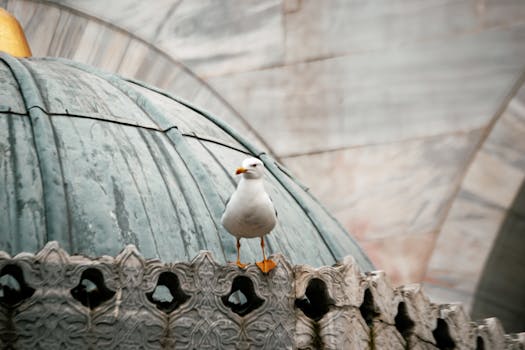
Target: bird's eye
254	165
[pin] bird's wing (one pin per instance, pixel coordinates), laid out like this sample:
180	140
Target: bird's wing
271	200
228	200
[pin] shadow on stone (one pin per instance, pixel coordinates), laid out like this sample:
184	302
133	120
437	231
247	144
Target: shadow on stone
91	291
316	301
13	288
480	344
168	295
368	309
442	336
242	298
403	323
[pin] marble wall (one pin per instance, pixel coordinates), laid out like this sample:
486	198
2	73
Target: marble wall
485	200
390	111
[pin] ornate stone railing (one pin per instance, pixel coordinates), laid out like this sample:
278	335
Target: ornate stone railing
55	301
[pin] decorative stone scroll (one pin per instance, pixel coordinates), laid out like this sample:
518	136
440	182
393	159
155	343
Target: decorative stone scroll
55	301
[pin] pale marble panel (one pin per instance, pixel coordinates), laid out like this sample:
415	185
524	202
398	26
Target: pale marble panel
493	179
487	193
159	70
211	37
101	46
140	17
214	37
506	138
388	190
220	37
329	28
422	90
500	12
498	170
135	54
463	245
68	31
402	256
185	86
391	197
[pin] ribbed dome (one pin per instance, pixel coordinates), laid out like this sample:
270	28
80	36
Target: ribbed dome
96	162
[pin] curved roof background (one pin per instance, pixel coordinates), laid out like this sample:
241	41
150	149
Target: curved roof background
97	162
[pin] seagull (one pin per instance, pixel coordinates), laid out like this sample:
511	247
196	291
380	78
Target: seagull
250	212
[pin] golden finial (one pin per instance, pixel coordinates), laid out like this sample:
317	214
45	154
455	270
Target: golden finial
12	37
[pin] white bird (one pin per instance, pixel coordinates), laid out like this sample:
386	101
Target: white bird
250	212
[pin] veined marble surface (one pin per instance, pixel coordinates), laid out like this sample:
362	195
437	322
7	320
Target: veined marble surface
393	95
339	27
211	37
484	200
391	193
222	37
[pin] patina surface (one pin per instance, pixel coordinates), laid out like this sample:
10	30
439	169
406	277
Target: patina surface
97	162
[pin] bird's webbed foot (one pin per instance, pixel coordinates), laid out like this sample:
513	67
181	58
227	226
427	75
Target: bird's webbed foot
266	265
240	264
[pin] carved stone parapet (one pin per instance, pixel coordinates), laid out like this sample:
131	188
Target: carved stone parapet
386	336
491	332
380	308
420	311
329	299
344	281
211	319
458	326
51	300
386	299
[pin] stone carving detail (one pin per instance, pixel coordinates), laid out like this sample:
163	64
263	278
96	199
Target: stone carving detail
342	327
77	302
205	322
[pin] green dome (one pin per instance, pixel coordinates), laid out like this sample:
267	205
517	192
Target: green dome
96	162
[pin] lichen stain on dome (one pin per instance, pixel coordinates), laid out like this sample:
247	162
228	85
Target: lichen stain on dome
96	162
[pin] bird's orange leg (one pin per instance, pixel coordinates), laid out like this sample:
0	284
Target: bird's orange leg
266	265
239	263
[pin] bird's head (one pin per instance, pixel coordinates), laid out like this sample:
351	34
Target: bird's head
252	168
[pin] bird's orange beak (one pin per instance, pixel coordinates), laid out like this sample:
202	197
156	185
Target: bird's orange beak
240	170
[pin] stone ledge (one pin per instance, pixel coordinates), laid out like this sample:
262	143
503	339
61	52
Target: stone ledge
51	300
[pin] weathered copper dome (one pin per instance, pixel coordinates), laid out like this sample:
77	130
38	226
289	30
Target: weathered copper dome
96	162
